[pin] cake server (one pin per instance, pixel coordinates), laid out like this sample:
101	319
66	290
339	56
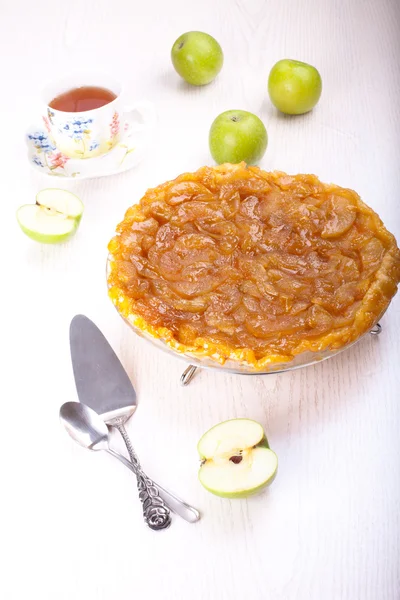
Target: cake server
103	384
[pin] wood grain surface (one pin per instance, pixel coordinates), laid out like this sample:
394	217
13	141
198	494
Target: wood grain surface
329	526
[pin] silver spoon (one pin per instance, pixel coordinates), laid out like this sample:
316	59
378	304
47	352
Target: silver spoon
88	429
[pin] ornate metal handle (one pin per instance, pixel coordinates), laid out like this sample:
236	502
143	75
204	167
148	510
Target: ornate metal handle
156	514
175	504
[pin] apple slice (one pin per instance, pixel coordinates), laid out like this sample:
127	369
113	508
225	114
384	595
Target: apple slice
236	459
53	219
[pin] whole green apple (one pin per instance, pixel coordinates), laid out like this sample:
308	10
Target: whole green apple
236	136
197	57
294	87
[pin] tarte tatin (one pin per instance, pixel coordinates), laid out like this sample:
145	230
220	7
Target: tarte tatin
235	263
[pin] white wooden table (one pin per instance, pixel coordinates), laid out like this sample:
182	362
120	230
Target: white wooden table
329	527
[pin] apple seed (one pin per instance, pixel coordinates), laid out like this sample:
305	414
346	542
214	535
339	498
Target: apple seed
236	459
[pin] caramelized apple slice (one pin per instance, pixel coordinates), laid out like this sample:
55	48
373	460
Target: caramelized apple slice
341	217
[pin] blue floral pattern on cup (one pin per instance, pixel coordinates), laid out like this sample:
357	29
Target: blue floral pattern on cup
77	128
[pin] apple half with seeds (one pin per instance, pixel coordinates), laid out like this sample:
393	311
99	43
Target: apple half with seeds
236	459
53	219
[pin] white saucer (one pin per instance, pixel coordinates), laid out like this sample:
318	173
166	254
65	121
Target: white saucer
44	156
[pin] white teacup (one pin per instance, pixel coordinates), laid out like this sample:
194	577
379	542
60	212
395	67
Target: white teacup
90	133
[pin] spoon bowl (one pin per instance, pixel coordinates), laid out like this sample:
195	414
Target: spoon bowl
84	425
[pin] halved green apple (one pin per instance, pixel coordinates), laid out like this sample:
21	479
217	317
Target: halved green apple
53	219
236	459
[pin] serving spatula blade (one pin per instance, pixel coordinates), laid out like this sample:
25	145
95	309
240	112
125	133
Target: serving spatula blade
101	381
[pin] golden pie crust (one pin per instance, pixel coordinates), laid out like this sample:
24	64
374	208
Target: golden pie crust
234	263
